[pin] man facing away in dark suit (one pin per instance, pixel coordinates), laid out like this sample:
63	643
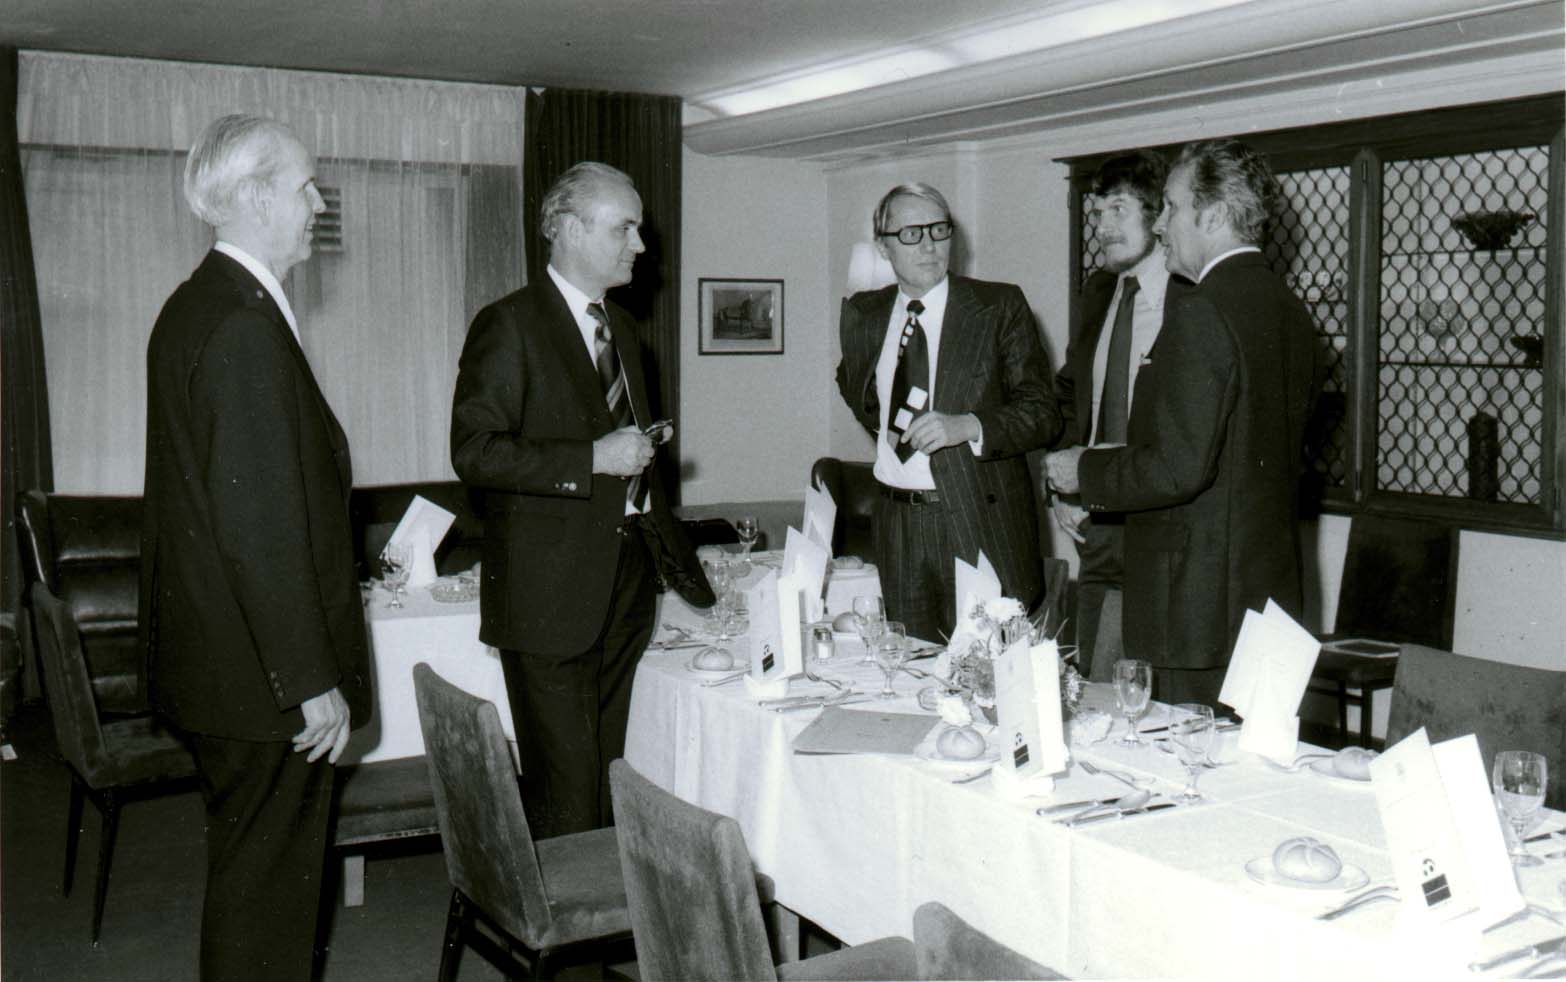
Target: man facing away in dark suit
250	606
947	374
1209	478
548	420
1121	309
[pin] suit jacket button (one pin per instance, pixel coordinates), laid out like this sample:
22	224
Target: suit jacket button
990	498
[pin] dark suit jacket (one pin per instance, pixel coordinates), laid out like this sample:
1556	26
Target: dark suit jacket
249	599
990	364
527	408
1210	474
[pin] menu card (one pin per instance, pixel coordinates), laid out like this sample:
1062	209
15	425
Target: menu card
1268	673
775	651
850	731
422	527
820	517
806	561
1027	703
1442	831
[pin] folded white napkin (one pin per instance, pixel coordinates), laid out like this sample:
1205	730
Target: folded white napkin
1266	679
422	527
805	561
820	517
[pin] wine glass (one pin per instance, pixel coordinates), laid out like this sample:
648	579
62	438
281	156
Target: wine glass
1519	782
748	532
891	651
1191	730
870	619
1133	689
395	560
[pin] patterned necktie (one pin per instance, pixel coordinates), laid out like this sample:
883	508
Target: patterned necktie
612	378
1113	403
910	382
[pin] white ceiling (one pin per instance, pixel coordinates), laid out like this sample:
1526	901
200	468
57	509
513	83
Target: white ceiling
825	78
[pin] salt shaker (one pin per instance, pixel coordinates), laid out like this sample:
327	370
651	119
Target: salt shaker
822	647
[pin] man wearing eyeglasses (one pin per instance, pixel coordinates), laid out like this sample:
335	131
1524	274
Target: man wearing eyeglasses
947	374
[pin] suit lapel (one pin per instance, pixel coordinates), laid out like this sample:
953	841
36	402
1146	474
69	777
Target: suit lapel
566	338
960	347
872	335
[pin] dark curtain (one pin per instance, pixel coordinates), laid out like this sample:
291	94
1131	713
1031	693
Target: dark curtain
24	415
639	134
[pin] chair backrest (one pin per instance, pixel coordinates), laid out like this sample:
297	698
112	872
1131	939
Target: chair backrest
478	805
1051	611
37	544
1399	581
1508	707
853	489
690	886
948	947
67	687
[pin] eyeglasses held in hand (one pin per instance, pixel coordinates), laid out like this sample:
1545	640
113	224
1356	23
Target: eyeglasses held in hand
914	234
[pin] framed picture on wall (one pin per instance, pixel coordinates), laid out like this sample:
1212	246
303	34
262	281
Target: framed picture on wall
740	317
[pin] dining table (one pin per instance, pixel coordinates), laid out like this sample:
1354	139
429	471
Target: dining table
856	842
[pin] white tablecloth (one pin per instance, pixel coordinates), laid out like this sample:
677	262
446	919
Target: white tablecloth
857	843
445	636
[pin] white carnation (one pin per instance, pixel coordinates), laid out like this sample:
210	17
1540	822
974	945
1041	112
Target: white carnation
1003	609
954	711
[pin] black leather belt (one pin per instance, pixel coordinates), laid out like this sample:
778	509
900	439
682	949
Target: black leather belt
632	523
904	497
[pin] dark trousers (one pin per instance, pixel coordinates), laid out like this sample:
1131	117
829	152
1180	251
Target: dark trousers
1200	685
1100	571
571	711
267	817
914	548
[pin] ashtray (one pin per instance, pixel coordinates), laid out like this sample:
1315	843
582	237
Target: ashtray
452	590
1491	230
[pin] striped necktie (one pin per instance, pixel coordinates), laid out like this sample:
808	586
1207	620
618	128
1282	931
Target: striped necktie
611	376
910	382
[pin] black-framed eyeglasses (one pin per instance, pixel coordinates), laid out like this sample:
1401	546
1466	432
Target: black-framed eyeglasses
914	234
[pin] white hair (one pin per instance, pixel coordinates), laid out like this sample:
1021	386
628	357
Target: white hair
233	153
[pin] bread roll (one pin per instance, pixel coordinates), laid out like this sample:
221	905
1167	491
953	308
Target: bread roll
1353	763
1307	860
714	660
845	623
960	743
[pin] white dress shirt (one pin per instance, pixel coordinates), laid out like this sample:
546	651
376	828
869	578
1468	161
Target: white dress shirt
269	281
1221	257
1147	319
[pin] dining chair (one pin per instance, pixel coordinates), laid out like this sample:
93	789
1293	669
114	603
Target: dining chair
948	947
852	486
1508	707
554	899
1399	586
1051	612
376	802
111	761
695	912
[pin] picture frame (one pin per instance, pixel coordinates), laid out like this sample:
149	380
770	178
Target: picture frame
739	316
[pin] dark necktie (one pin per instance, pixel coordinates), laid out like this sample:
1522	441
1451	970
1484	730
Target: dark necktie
910	382
612	378
1112	404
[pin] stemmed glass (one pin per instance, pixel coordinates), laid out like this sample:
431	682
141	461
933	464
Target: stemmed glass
748	532
722	618
1519	779
1191	730
891	651
870	619
1133	689
395	560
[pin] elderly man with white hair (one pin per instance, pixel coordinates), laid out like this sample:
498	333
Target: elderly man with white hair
250	609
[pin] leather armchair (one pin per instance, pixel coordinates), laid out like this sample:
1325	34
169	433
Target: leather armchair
852	486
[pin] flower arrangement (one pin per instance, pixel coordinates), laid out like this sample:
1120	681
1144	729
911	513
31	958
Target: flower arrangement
997	625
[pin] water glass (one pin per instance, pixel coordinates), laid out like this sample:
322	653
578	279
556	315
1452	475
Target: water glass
870	619
395	560
1133	690
891	651
1519	779
1191	730
748	532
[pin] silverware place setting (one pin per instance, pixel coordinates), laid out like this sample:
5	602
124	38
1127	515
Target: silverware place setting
1129	780
1385	891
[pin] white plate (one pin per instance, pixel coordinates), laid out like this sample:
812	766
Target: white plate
690	666
1350	878
1324	768
929	753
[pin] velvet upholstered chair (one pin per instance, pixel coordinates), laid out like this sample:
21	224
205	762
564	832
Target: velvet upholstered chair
554	898
948	947
1508	707
853	489
110	760
694	906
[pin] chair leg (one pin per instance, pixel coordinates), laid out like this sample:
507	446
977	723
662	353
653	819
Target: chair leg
1343	704
73	829
1367	703
457	916
109	803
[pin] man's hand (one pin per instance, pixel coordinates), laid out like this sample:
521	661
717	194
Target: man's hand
622	453
1070	516
1061	466
326	726
936	431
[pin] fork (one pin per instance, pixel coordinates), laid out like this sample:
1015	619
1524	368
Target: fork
1120	776
834	683
1298	763
1386	891
726	679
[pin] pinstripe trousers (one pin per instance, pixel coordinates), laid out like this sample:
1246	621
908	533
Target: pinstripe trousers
914	547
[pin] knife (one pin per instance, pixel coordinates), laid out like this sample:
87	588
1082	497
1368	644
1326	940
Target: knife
676	645
1534	950
819	703
1105	816
1067	806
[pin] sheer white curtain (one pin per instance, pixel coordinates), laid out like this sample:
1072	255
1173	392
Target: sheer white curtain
430	176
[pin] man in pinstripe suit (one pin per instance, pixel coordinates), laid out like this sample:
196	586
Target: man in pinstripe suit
948	375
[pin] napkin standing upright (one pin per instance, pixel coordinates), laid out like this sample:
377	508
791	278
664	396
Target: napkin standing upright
421	529
820	517
975	584
1266	680
805	561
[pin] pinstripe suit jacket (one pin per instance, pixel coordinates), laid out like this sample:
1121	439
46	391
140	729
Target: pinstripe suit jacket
991	364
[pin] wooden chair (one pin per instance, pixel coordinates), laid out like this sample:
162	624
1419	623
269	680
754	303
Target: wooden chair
549	898
110	761
382	801
948	947
694	907
1508	707
1399	586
